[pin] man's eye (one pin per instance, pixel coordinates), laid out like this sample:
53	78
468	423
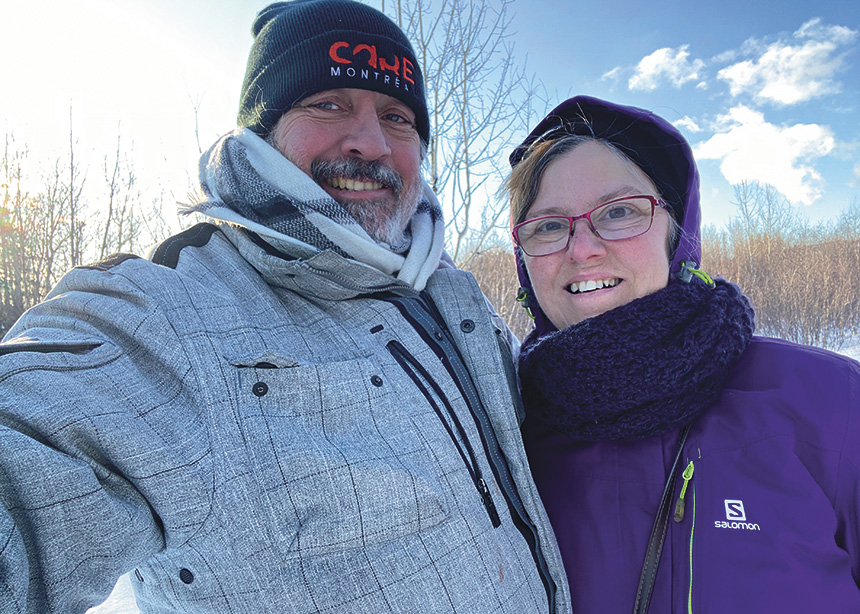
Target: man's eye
397	118
324	105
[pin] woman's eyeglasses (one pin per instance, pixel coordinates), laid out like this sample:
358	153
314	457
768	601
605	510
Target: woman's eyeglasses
622	218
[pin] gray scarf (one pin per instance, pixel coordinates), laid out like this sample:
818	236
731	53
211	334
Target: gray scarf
247	182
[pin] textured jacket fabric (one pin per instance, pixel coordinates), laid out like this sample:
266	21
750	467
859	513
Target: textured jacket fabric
770	522
234	428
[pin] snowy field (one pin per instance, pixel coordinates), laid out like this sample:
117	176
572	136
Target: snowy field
852	349
121	600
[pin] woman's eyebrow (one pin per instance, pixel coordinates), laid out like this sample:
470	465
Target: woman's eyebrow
554	209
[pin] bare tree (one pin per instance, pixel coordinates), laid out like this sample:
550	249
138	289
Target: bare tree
803	280
196	103
479	100
75	204
35	242
495	271
43	233
121	227
13	204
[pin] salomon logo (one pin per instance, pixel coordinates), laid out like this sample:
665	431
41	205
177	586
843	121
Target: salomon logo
735	510
736	517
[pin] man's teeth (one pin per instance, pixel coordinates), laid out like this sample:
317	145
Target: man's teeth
342	183
591	284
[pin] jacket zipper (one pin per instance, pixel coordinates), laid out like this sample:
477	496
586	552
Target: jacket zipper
428	322
418	374
679	516
692	531
679	506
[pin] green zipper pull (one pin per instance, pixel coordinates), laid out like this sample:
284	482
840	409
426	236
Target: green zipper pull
679	507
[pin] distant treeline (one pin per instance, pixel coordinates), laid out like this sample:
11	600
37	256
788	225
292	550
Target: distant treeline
803	279
47	226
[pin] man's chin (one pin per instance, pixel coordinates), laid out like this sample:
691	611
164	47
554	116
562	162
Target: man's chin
384	222
382	214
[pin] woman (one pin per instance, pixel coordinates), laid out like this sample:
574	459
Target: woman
684	462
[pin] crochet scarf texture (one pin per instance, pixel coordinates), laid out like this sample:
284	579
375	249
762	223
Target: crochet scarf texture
247	182
644	368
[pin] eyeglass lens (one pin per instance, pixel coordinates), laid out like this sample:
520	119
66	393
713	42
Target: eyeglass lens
612	221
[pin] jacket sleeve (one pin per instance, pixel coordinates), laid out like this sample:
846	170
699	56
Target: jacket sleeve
95	424
847	503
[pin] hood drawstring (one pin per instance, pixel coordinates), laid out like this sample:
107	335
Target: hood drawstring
524	299
688	269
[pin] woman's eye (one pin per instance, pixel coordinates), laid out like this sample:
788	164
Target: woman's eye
549	226
618	212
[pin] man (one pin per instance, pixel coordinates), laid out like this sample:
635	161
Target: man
293	407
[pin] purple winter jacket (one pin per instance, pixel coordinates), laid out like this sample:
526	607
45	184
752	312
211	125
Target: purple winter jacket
772	517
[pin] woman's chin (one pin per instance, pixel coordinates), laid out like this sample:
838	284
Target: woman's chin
582	306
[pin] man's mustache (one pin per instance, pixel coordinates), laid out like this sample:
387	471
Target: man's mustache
361	170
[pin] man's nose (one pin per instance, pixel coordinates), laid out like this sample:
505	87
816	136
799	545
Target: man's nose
365	136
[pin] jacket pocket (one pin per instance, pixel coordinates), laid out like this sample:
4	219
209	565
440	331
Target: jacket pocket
32	354
335	451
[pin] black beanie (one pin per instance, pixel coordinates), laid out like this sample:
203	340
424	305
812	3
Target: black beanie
307	46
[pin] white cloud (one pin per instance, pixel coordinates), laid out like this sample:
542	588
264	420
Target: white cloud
613	75
857	170
726	56
815	29
794	69
687	123
750	149
672	65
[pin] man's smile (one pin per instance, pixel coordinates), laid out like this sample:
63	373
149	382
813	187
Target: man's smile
353	185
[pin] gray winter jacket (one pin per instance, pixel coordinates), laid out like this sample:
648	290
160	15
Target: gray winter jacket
250	433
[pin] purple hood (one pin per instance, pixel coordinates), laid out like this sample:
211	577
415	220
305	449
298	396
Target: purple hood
650	141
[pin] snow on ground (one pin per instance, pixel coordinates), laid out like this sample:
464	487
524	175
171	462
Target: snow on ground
121	600
851	349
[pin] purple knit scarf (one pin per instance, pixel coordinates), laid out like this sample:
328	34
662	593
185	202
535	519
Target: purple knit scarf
644	368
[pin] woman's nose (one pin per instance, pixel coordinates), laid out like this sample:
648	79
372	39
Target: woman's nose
584	243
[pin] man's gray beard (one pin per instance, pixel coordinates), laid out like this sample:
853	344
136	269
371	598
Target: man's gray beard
392	230
386	224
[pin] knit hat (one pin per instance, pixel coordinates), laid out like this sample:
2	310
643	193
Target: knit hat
307	46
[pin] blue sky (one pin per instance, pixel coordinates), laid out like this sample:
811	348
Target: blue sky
764	91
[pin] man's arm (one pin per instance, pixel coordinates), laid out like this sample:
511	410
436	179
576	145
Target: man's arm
90	382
